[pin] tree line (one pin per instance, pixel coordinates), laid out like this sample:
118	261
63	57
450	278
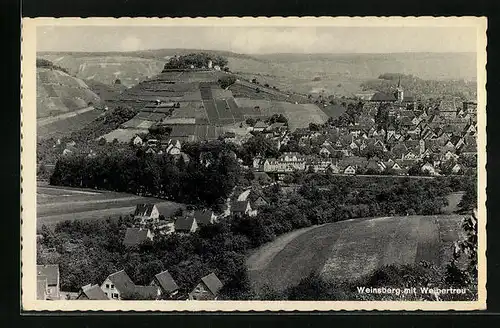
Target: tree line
198	60
205	183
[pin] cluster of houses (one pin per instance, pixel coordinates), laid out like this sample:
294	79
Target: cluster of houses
427	139
154	146
119	286
149	222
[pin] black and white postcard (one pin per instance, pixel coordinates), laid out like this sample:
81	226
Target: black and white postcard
237	164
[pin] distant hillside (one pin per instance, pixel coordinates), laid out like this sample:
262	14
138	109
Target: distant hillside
423	89
342	74
130	67
107	68
59	93
433	66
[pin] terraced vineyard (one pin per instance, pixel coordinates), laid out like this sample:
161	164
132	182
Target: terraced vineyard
59	93
67	125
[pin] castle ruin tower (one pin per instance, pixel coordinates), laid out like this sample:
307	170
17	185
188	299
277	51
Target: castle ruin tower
399	91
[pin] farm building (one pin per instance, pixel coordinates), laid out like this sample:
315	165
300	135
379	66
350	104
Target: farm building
207	289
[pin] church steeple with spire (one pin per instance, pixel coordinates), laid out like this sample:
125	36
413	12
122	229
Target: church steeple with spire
399	91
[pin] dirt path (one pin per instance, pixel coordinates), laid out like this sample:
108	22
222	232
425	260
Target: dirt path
265	254
48	120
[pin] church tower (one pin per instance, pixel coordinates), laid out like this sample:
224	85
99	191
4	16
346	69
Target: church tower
399	91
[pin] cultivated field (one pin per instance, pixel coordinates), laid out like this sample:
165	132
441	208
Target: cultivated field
350	249
298	115
55	204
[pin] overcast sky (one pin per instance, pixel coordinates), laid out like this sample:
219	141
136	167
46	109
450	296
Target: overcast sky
258	40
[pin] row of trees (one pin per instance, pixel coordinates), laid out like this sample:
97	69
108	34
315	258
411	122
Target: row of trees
198	60
206	183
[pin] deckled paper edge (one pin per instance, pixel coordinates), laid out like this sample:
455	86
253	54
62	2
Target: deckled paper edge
28	160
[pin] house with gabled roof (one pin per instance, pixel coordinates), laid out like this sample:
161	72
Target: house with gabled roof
147	292
411	155
242	208
333	168
207	289
327	151
146	213
448	155
398	169
428	133
405	164
457	141
166	283
137	236
260	126
399	150
92	292
350	169
470	129
429	168
205	217
48	276
186	224
137	141
117	284
375	165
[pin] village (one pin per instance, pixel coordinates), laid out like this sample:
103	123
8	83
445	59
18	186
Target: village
409	141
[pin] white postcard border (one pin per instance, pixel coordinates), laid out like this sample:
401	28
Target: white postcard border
28	167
